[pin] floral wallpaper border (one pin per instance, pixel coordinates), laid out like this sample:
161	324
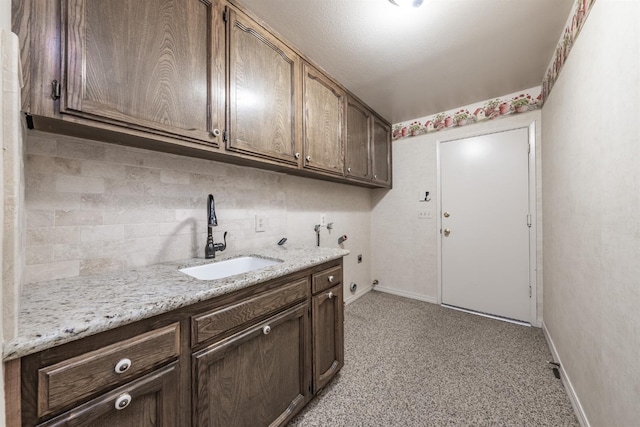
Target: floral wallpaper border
515	103
577	19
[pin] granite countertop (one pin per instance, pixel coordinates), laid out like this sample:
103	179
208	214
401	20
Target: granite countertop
59	311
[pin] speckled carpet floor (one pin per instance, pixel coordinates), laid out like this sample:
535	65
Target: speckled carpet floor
412	363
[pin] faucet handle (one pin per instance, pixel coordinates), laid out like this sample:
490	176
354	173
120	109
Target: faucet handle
221	246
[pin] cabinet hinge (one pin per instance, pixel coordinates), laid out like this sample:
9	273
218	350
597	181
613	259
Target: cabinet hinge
224	136
55	90
529	150
225	16
529	220
309	311
310	390
529	291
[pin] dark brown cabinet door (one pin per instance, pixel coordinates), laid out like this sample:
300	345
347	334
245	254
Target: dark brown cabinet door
323	104
263	93
381	152
151	401
357	150
257	377
328	335
156	65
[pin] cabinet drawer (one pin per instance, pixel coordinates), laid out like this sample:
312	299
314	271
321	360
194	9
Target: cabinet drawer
326	279
151	400
74	379
220	320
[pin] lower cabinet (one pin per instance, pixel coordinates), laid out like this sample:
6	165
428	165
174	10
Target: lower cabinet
253	357
328	336
257	377
147	401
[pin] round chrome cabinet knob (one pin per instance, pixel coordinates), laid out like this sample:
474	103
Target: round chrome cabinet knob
215	132
330	295
123	401
297	155
330	279
266	330
122	366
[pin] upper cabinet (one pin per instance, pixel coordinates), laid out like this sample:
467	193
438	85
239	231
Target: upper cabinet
323	116
358	135
201	78
263	92
151	65
381	152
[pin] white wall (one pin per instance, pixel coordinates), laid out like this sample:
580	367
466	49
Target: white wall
405	248
348	208
591	200
94	207
5	24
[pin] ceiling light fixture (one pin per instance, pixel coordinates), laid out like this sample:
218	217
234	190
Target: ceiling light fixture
405	3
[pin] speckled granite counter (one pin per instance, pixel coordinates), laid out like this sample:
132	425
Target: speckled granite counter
59	311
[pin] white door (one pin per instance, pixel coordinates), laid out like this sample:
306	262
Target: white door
485	232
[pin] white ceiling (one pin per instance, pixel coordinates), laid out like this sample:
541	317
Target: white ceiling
409	63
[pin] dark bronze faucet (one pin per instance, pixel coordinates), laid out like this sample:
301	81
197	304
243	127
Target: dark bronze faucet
212	221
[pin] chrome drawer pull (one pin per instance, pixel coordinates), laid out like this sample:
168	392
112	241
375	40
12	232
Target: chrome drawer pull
122	366
123	401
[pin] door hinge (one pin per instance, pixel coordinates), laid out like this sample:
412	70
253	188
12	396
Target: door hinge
529	291
55	90
529	149
224	136
529	220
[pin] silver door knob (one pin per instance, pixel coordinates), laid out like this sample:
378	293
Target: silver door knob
330	279
330	295
123	401
446	214
447	231
297	155
308	158
266	330
122	366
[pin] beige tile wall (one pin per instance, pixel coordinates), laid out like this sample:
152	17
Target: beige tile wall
94	207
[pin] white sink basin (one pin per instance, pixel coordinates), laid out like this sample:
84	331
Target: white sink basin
230	267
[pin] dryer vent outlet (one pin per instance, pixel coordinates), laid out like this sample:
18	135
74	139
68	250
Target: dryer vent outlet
353	287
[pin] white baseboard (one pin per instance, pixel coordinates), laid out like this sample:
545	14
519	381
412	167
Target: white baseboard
406	294
351	298
573	397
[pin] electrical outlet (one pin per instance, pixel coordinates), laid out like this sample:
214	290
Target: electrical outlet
261	223
323	220
423	214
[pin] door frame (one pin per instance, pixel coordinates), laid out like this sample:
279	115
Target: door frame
533	207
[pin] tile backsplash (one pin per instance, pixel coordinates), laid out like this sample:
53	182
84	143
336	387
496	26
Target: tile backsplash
94	207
